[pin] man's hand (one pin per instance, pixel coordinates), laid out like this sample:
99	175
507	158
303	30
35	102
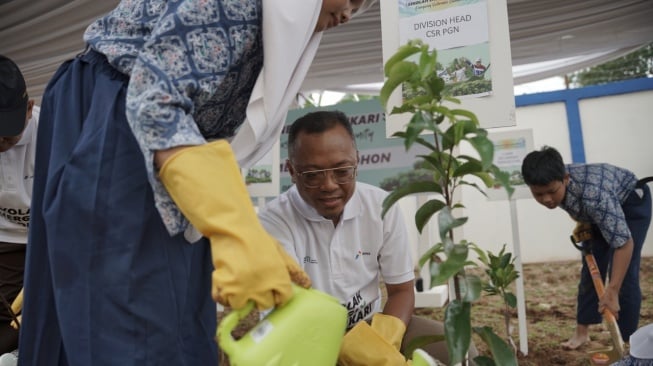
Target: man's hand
582	232
610	302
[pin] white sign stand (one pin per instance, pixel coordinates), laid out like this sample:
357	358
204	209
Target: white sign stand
510	148
521	303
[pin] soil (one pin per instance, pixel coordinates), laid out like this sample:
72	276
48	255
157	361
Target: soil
550	290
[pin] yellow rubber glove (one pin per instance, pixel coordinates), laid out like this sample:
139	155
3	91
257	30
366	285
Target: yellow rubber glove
297	274
362	346
206	184
390	328
582	232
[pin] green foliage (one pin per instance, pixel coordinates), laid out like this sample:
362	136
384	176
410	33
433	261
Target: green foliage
471	86
501	272
415	175
424	100
637	64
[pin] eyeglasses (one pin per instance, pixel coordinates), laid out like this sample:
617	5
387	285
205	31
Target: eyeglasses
315	178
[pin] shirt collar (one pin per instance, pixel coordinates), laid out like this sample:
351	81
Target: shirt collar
26	138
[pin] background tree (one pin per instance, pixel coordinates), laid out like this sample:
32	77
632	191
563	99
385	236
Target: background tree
637	64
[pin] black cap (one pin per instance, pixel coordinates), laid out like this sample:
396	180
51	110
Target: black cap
13	98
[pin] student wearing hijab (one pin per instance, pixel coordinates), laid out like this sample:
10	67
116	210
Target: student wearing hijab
140	216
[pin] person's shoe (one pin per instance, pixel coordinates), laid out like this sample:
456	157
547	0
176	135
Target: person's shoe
421	358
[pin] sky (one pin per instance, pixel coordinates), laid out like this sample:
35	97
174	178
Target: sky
545	85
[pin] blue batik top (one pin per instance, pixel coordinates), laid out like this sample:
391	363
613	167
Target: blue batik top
192	67
595	194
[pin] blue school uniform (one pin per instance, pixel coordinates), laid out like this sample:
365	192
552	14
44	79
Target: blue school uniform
110	278
619	208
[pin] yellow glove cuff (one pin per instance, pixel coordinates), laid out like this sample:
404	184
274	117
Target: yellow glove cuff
362	346
390	328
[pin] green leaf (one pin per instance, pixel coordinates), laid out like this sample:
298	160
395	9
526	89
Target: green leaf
458	255
424	213
487	179
441	272
404	108
427	62
510	299
503	178
457	330
435	85
419	140
458	131
455	262
428	255
473	185
435	162
419	99
505	259
485	149
465	113
451	99
501	352
484	361
480	253
470	167
447	222
448	245
399	73
419	342
416	125
412	188
404	52
472	287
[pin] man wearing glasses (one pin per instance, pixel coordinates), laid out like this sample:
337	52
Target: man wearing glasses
332	225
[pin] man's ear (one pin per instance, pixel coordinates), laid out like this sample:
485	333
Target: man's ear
565	180
291	170
30	107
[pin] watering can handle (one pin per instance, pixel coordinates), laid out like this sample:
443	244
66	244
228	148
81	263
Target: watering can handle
228	324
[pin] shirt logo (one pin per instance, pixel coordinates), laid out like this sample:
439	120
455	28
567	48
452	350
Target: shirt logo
360	253
308	259
357	309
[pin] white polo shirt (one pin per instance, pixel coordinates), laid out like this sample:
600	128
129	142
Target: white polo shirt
16	179
345	261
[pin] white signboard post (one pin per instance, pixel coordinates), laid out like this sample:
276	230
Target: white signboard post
510	148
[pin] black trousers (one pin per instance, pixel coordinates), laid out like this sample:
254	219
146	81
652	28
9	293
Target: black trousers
638	216
12	265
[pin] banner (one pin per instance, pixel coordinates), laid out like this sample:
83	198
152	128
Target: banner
510	149
472	40
459	31
384	162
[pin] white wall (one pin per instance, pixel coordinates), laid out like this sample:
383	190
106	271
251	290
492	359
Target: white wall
616	129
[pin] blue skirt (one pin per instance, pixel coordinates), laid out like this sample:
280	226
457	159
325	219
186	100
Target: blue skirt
105	284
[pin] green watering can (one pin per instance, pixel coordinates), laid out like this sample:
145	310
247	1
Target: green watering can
306	331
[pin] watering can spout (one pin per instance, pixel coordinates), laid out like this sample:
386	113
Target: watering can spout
307	330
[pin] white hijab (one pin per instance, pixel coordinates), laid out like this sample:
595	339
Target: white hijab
288	53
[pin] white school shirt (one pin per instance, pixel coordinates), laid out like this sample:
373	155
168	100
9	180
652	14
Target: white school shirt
346	261
16	179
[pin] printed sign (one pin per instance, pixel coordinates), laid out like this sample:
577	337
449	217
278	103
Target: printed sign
384	162
510	149
459	31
